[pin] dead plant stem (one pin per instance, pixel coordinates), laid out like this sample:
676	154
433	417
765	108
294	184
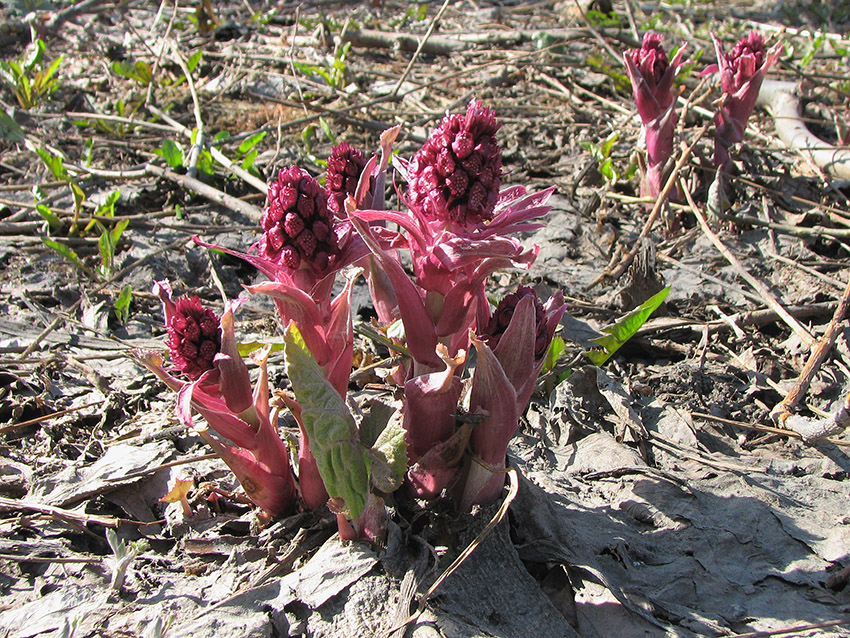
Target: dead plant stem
757	285
653	216
815	360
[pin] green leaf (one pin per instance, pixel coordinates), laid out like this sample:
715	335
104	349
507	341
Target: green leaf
49	216
326	128
624	329
389	456
9	128
250	346
171	153
48	73
343	462
107	252
34	54
248	161
192	62
556	349
66	252
53	162
250	142
608	144
107	208
144	73
122	304
115	233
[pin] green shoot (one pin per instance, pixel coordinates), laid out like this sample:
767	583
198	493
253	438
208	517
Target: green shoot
122	304
29	78
620	332
602	154
120	563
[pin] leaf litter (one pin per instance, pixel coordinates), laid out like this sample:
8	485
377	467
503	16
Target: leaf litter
656	497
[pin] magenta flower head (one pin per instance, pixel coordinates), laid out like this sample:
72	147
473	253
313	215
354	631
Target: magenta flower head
652	77
297	228
510	357
345	165
204	351
741	75
194	336
457	173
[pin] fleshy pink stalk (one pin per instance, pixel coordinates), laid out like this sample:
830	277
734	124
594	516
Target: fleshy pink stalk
510	358
652	77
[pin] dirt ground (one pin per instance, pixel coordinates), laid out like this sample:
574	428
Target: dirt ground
657	497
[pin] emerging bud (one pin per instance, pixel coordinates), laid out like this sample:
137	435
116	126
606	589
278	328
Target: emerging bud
194	337
297	227
652	78
501	319
741	74
457	173
345	165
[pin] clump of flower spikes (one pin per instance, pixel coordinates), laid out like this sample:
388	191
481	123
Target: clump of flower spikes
297	225
457	173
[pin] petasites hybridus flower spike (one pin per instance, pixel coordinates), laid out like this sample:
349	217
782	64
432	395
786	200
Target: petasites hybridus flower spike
345	165
297	228
502	385
741	74
652	76
222	394
457	172
456	239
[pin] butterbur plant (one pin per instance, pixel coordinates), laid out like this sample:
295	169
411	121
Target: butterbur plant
652	76
458	231
511	352
457	224
741	74
210	377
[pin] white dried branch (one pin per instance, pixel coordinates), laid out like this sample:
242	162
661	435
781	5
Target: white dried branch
784	104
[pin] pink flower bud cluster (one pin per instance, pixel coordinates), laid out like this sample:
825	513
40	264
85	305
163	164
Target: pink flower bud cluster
457	173
501	319
194	337
345	165
297	226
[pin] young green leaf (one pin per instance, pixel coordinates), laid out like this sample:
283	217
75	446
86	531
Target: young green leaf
556	349
171	153
389	456
624	329
49	216
343	462
53	162
122	304
9	128
250	142
68	253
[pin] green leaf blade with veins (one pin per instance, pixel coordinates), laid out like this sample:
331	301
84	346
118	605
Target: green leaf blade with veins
334	440
620	332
